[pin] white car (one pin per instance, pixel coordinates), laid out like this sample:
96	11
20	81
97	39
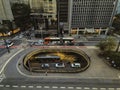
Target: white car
45	65
9	43
61	65
75	65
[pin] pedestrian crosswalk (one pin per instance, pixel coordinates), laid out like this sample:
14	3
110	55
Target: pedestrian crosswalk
58	87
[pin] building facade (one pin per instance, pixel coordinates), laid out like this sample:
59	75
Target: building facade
118	7
91	13
5	11
43	12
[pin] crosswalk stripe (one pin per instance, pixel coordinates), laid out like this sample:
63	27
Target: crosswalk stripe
46	87
62	87
1	85
14	86
78	88
111	88
54	87
118	88
102	88
86	88
30	86
70	87
23	86
7	86
95	88
38	86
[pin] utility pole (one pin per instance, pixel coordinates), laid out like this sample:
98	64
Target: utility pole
58	19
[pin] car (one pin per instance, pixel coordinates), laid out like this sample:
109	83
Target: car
59	65
75	65
45	65
9	43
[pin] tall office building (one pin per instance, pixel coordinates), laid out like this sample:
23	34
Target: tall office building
91	13
5	10
43	11
118	7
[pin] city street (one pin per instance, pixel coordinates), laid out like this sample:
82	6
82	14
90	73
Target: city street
99	76
61	86
3	50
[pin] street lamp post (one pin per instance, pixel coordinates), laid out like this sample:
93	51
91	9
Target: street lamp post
58	19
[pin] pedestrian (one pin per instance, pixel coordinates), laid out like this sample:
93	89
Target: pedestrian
46	73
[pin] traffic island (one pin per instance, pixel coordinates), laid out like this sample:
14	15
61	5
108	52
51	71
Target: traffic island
56	61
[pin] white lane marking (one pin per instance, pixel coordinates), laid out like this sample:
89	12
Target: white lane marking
10	59
86	88
78	88
102	88
118	88
38	86
15	86
23	86
1	85
54	87
94	88
111	88
70	87
62	87
30	86
46	87
7	85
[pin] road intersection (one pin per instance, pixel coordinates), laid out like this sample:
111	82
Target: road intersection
18	77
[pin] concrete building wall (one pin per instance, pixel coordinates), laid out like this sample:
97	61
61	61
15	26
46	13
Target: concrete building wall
118	7
47	7
92	13
5	10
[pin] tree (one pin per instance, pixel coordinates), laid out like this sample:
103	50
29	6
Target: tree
5	29
116	23
21	14
108	44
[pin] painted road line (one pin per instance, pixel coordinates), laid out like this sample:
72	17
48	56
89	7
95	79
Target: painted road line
111	88
30	86
102	88
23	86
1	85
118	89
7	85
10	59
78	87
70	87
94	88
38	86
15	86
54	87
86	88
62	87
46	87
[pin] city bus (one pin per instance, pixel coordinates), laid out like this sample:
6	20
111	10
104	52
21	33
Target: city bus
59	41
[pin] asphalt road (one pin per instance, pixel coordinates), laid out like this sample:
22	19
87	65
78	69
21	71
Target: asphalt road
60	86
4	50
15	81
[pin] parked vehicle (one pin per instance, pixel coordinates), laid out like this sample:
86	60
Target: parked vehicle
45	65
9	43
59	65
75	65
